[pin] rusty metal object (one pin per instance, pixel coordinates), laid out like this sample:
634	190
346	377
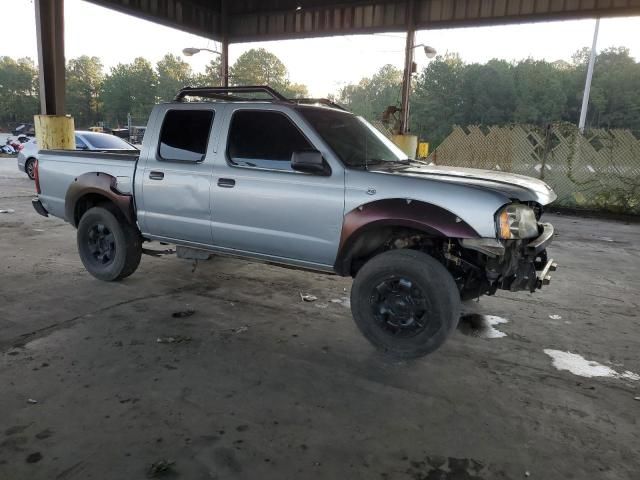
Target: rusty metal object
90	185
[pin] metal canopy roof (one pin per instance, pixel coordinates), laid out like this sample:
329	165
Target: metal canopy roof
255	20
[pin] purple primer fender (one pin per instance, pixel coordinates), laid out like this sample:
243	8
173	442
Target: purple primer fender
399	212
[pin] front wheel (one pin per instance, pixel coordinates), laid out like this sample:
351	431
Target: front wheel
405	303
110	248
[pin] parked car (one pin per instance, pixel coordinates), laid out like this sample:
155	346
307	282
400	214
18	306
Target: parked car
312	187
84	141
24	129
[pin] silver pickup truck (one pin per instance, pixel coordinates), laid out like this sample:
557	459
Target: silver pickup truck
309	185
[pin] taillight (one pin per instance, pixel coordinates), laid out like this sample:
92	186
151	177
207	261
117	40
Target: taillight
36	177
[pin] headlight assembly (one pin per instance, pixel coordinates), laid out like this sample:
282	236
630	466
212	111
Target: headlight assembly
516	222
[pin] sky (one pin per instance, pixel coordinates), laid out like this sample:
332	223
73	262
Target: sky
323	64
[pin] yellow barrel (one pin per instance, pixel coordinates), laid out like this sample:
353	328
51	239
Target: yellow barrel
407	143
423	149
55	132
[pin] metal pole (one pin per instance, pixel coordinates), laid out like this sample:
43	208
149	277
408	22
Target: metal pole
224	62
50	37
408	66
224	54
587	86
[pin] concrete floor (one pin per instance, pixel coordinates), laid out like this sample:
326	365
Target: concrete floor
267	386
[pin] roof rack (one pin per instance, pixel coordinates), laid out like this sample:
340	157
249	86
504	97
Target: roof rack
227	93
321	101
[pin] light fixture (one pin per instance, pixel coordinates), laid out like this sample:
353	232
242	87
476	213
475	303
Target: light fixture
191	51
430	52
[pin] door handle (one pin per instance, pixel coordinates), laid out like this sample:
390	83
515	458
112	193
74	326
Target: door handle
226	182
154	175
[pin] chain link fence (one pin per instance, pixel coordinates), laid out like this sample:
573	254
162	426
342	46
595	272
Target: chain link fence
599	170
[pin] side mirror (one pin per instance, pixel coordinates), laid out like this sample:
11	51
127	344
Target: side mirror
309	161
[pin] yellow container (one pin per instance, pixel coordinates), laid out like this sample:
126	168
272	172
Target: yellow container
55	132
407	143
423	149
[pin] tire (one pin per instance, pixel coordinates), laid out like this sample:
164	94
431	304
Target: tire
405	303
110	248
29	168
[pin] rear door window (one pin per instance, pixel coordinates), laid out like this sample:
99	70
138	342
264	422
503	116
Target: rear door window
185	134
262	139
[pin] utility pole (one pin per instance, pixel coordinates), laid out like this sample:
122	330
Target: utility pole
587	86
224	57
408	68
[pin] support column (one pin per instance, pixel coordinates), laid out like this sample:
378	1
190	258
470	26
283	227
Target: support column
50	35
224	62
224	57
408	67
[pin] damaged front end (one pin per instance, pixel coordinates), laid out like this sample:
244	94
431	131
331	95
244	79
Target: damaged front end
516	260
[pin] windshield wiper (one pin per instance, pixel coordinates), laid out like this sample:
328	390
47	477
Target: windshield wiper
421	162
378	161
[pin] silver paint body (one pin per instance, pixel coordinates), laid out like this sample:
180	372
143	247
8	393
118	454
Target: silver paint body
282	216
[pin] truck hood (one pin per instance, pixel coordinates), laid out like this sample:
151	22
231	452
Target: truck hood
514	186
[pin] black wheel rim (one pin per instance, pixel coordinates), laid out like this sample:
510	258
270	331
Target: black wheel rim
400	307
101	244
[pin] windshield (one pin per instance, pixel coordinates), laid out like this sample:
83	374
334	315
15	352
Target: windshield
354	140
103	141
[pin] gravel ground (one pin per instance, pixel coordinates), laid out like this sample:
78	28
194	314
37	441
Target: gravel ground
257	383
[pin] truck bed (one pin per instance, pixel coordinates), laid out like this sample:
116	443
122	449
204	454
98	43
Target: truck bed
57	169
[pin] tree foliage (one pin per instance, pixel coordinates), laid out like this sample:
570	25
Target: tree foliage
84	83
449	92
173	73
371	96
129	88
261	67
18	89
445	93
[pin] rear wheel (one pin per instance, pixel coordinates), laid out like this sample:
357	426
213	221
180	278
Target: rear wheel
405	303
110	248
30	168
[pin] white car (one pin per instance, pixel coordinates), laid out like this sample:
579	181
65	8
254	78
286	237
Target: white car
84	141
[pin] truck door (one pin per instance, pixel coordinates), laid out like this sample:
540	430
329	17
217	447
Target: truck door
172	189
260	205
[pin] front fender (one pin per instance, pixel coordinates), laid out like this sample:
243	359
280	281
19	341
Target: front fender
398	212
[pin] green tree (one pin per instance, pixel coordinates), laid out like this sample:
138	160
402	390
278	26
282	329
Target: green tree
261	67
371	96
294	90
437	102
488	93
615	91
173	74
540	96
212	76
84	83
258	67
129	88
18	90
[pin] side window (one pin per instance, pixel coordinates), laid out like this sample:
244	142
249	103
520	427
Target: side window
80	145
264	140
185	134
